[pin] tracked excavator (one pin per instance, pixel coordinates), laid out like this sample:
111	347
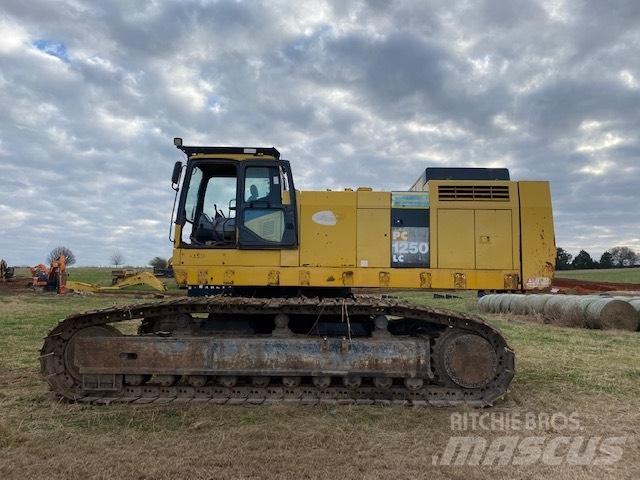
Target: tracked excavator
274	275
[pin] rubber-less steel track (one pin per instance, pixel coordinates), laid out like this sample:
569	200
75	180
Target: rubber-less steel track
441	392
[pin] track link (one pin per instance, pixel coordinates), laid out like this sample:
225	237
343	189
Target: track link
454	326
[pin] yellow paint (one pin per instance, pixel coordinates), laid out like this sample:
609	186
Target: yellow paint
289	258
139	278
229	256
368	277
538	240
371	199
455	238
373	238
344	240
321	242
493	233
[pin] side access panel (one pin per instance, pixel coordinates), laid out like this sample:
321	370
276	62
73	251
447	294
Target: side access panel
494	245
374	245
537	235
456	246
328	229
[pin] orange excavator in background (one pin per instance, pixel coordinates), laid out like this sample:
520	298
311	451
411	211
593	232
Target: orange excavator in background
52	278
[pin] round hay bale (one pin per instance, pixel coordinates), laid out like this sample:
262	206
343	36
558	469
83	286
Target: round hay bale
535	303
609	313
505	302
519	305
571	313
484	303
494	303
585	300
624	298
635	304
552	308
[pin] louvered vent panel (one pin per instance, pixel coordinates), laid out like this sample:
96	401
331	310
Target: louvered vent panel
492	193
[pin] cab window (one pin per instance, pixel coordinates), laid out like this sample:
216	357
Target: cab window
209	210
262	184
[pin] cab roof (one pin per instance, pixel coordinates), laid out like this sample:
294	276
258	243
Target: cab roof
249	152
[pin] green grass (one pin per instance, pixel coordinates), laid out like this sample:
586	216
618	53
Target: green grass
464	301
97	275
594	373
616	275
590	361
26	319
583	362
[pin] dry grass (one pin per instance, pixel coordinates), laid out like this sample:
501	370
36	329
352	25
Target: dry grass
595	374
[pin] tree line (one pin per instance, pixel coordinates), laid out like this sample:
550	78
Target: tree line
616	257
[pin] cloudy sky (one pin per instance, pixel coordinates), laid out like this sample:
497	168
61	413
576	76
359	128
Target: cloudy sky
353	93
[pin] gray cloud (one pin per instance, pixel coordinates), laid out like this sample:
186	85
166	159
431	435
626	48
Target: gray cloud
353	93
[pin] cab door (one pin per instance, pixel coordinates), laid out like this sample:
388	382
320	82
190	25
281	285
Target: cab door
267	205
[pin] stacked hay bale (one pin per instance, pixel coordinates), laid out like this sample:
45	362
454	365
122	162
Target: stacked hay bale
635	303
588	311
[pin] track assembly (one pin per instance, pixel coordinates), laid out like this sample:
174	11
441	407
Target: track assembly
236	350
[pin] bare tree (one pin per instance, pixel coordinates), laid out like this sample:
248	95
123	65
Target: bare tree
117	258
70	258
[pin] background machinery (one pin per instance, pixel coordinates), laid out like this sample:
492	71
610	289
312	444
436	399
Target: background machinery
128	279
270	272
52	278
55	278
6	272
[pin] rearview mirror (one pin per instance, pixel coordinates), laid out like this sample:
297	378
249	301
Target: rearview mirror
175	176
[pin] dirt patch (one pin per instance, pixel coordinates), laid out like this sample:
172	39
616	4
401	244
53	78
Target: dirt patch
15	286
572	285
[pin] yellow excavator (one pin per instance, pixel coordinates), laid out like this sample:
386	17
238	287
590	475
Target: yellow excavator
274	312
126	280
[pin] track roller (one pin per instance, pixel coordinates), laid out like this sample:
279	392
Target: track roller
352	381
260	382
291	382
197	380
413	384
228	381
166	380
382	383
136	380
321	382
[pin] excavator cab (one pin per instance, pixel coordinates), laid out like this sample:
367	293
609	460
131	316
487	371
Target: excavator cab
235	198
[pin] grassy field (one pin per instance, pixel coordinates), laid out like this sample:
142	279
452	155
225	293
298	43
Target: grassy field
595	374
616	275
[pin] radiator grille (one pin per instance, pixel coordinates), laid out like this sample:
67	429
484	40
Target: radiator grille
493	193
